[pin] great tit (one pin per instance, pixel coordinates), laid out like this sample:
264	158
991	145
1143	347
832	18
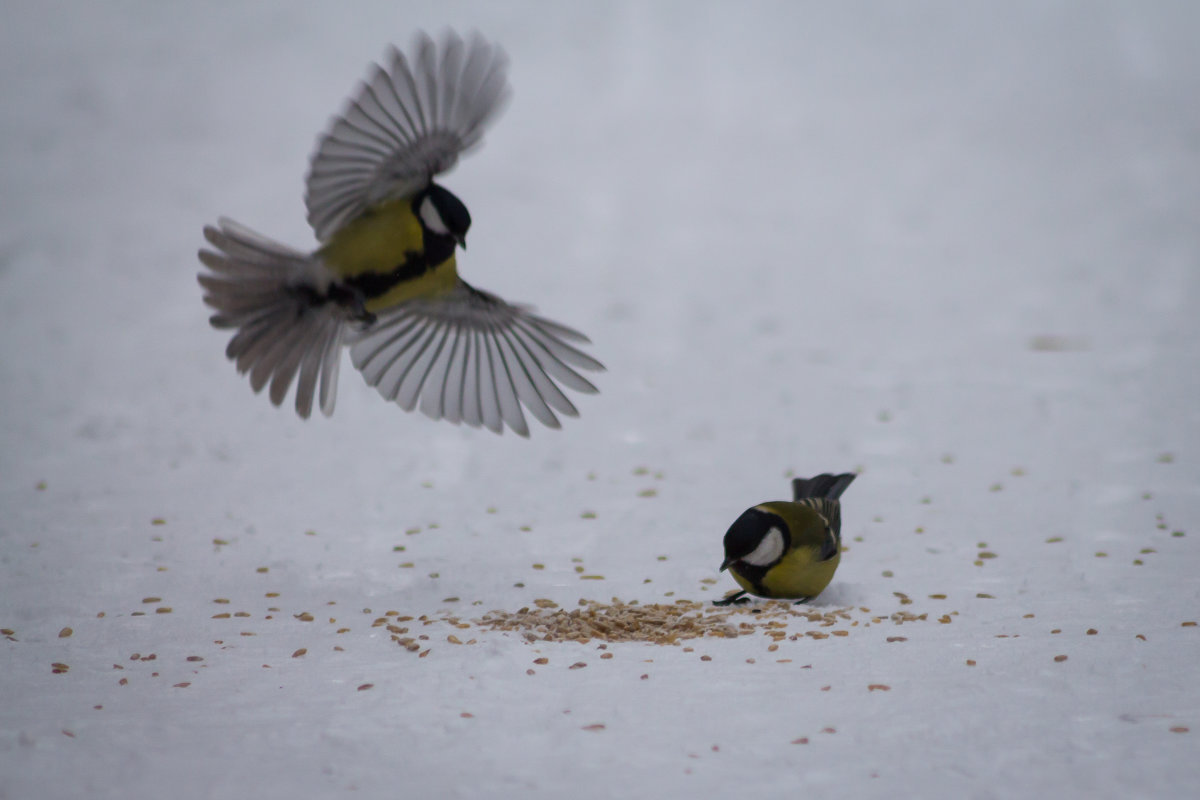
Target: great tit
384	279
788	549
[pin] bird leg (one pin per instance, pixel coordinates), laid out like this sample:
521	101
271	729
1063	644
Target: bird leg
737	598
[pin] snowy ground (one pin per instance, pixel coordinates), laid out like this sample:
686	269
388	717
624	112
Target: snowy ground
954	246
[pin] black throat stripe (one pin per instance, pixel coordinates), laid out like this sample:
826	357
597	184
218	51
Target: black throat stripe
377	284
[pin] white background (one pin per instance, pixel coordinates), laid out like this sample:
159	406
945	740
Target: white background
953	245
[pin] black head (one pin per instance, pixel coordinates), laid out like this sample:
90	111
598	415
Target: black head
442	214
757	538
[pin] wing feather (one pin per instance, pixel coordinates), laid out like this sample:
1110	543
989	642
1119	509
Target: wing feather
408	122
470	357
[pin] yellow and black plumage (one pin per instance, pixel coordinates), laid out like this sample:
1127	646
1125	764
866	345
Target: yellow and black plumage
384	279
788	549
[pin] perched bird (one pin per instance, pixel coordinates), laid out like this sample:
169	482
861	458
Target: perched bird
384	279
790	550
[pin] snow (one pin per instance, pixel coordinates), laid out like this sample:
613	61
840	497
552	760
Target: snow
954	246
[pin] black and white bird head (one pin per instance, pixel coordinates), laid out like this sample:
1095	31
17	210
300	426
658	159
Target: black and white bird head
757	538
442	214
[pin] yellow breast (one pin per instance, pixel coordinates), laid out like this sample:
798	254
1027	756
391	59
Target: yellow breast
379	241
798	575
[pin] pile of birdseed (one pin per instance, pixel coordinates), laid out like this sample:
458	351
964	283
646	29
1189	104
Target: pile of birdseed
653	623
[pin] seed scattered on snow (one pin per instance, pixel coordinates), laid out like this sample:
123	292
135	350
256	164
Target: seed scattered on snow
596	727
1060	659
64	633
878	687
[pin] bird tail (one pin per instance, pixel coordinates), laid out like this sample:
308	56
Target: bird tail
271	295
825	486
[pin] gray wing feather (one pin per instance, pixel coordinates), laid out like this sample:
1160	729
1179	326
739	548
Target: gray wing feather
278	334
408	122
469	357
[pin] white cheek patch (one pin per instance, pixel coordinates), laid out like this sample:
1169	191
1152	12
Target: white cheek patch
431	217
769	550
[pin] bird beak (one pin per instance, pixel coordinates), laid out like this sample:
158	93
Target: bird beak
725	564
462	241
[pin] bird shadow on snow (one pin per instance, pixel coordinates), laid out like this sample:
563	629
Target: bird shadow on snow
838	595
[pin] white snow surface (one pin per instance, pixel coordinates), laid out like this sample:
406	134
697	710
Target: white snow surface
955	246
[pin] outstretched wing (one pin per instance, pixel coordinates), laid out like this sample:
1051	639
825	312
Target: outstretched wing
261	290
408	122
470	357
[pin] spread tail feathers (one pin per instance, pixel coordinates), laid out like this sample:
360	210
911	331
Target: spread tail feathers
264	291
826	486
